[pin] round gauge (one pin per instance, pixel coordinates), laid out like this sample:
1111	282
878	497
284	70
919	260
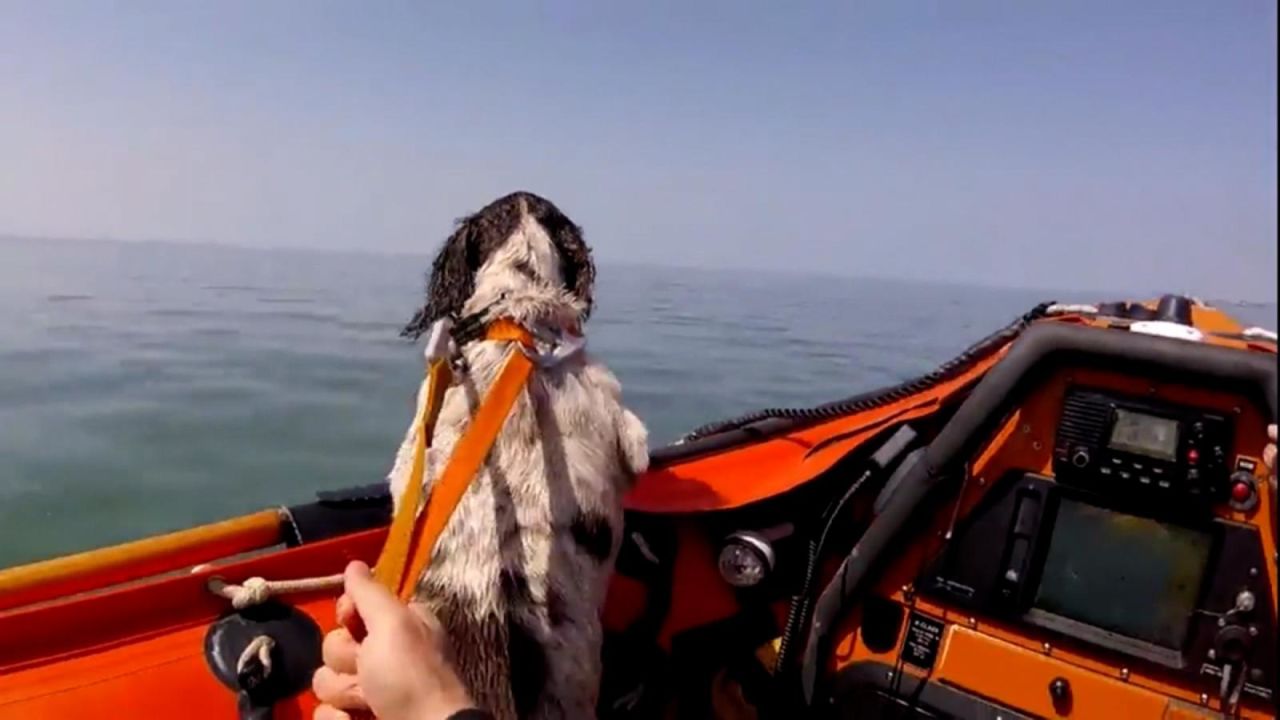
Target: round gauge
745	560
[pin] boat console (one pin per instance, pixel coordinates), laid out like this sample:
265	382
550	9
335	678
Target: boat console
1086	531
1108	539
1136	544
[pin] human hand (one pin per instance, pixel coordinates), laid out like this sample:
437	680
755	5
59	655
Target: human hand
386	658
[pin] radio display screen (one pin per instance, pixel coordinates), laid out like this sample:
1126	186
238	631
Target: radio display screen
1148	435
1129	575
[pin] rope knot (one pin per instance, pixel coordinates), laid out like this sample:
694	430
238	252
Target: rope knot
257	590
253	591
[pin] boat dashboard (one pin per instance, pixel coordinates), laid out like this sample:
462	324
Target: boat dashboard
1088	532
1110	546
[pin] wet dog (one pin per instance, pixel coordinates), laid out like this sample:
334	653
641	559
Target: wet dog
519	575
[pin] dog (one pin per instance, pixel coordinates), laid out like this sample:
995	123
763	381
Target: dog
519	575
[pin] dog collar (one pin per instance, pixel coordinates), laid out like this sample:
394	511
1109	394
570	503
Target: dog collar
510	331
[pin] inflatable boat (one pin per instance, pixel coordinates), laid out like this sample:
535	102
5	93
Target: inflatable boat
1070	519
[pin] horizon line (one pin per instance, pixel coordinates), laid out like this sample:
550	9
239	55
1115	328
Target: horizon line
607	261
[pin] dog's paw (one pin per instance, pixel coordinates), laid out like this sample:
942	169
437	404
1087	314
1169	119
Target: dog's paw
633	441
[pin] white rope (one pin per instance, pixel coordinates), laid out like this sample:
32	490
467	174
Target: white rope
1067	309
259	647
256	590
1261	333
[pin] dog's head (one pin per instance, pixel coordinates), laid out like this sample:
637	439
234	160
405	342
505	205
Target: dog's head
519	256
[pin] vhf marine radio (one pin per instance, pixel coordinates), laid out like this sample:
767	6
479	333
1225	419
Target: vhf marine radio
1132	447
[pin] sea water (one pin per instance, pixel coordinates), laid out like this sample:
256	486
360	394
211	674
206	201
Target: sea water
146	387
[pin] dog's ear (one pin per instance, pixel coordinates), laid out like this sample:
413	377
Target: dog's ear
579	269
451	281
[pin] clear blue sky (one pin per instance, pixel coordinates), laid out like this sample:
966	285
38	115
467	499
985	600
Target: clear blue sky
1110	145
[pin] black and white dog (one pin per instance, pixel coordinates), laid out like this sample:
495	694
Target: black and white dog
519	575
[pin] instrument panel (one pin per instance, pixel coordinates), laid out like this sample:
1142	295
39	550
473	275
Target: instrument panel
1079	528
1113	541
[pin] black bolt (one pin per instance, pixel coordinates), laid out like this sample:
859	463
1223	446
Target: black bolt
1060	693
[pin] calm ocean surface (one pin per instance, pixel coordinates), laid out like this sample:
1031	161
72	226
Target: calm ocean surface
146	387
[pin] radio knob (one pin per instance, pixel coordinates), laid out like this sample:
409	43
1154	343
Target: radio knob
1232	643
1080	458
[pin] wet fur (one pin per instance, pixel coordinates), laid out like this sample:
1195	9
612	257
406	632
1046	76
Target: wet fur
520	573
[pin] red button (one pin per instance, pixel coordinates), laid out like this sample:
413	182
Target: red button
1241	491
1192	456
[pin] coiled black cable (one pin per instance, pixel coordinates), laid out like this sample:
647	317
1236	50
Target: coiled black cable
801	604
891	451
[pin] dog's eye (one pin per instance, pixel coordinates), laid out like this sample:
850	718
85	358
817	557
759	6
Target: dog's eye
524	269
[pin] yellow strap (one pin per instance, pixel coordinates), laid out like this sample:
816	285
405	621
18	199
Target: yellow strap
412	539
